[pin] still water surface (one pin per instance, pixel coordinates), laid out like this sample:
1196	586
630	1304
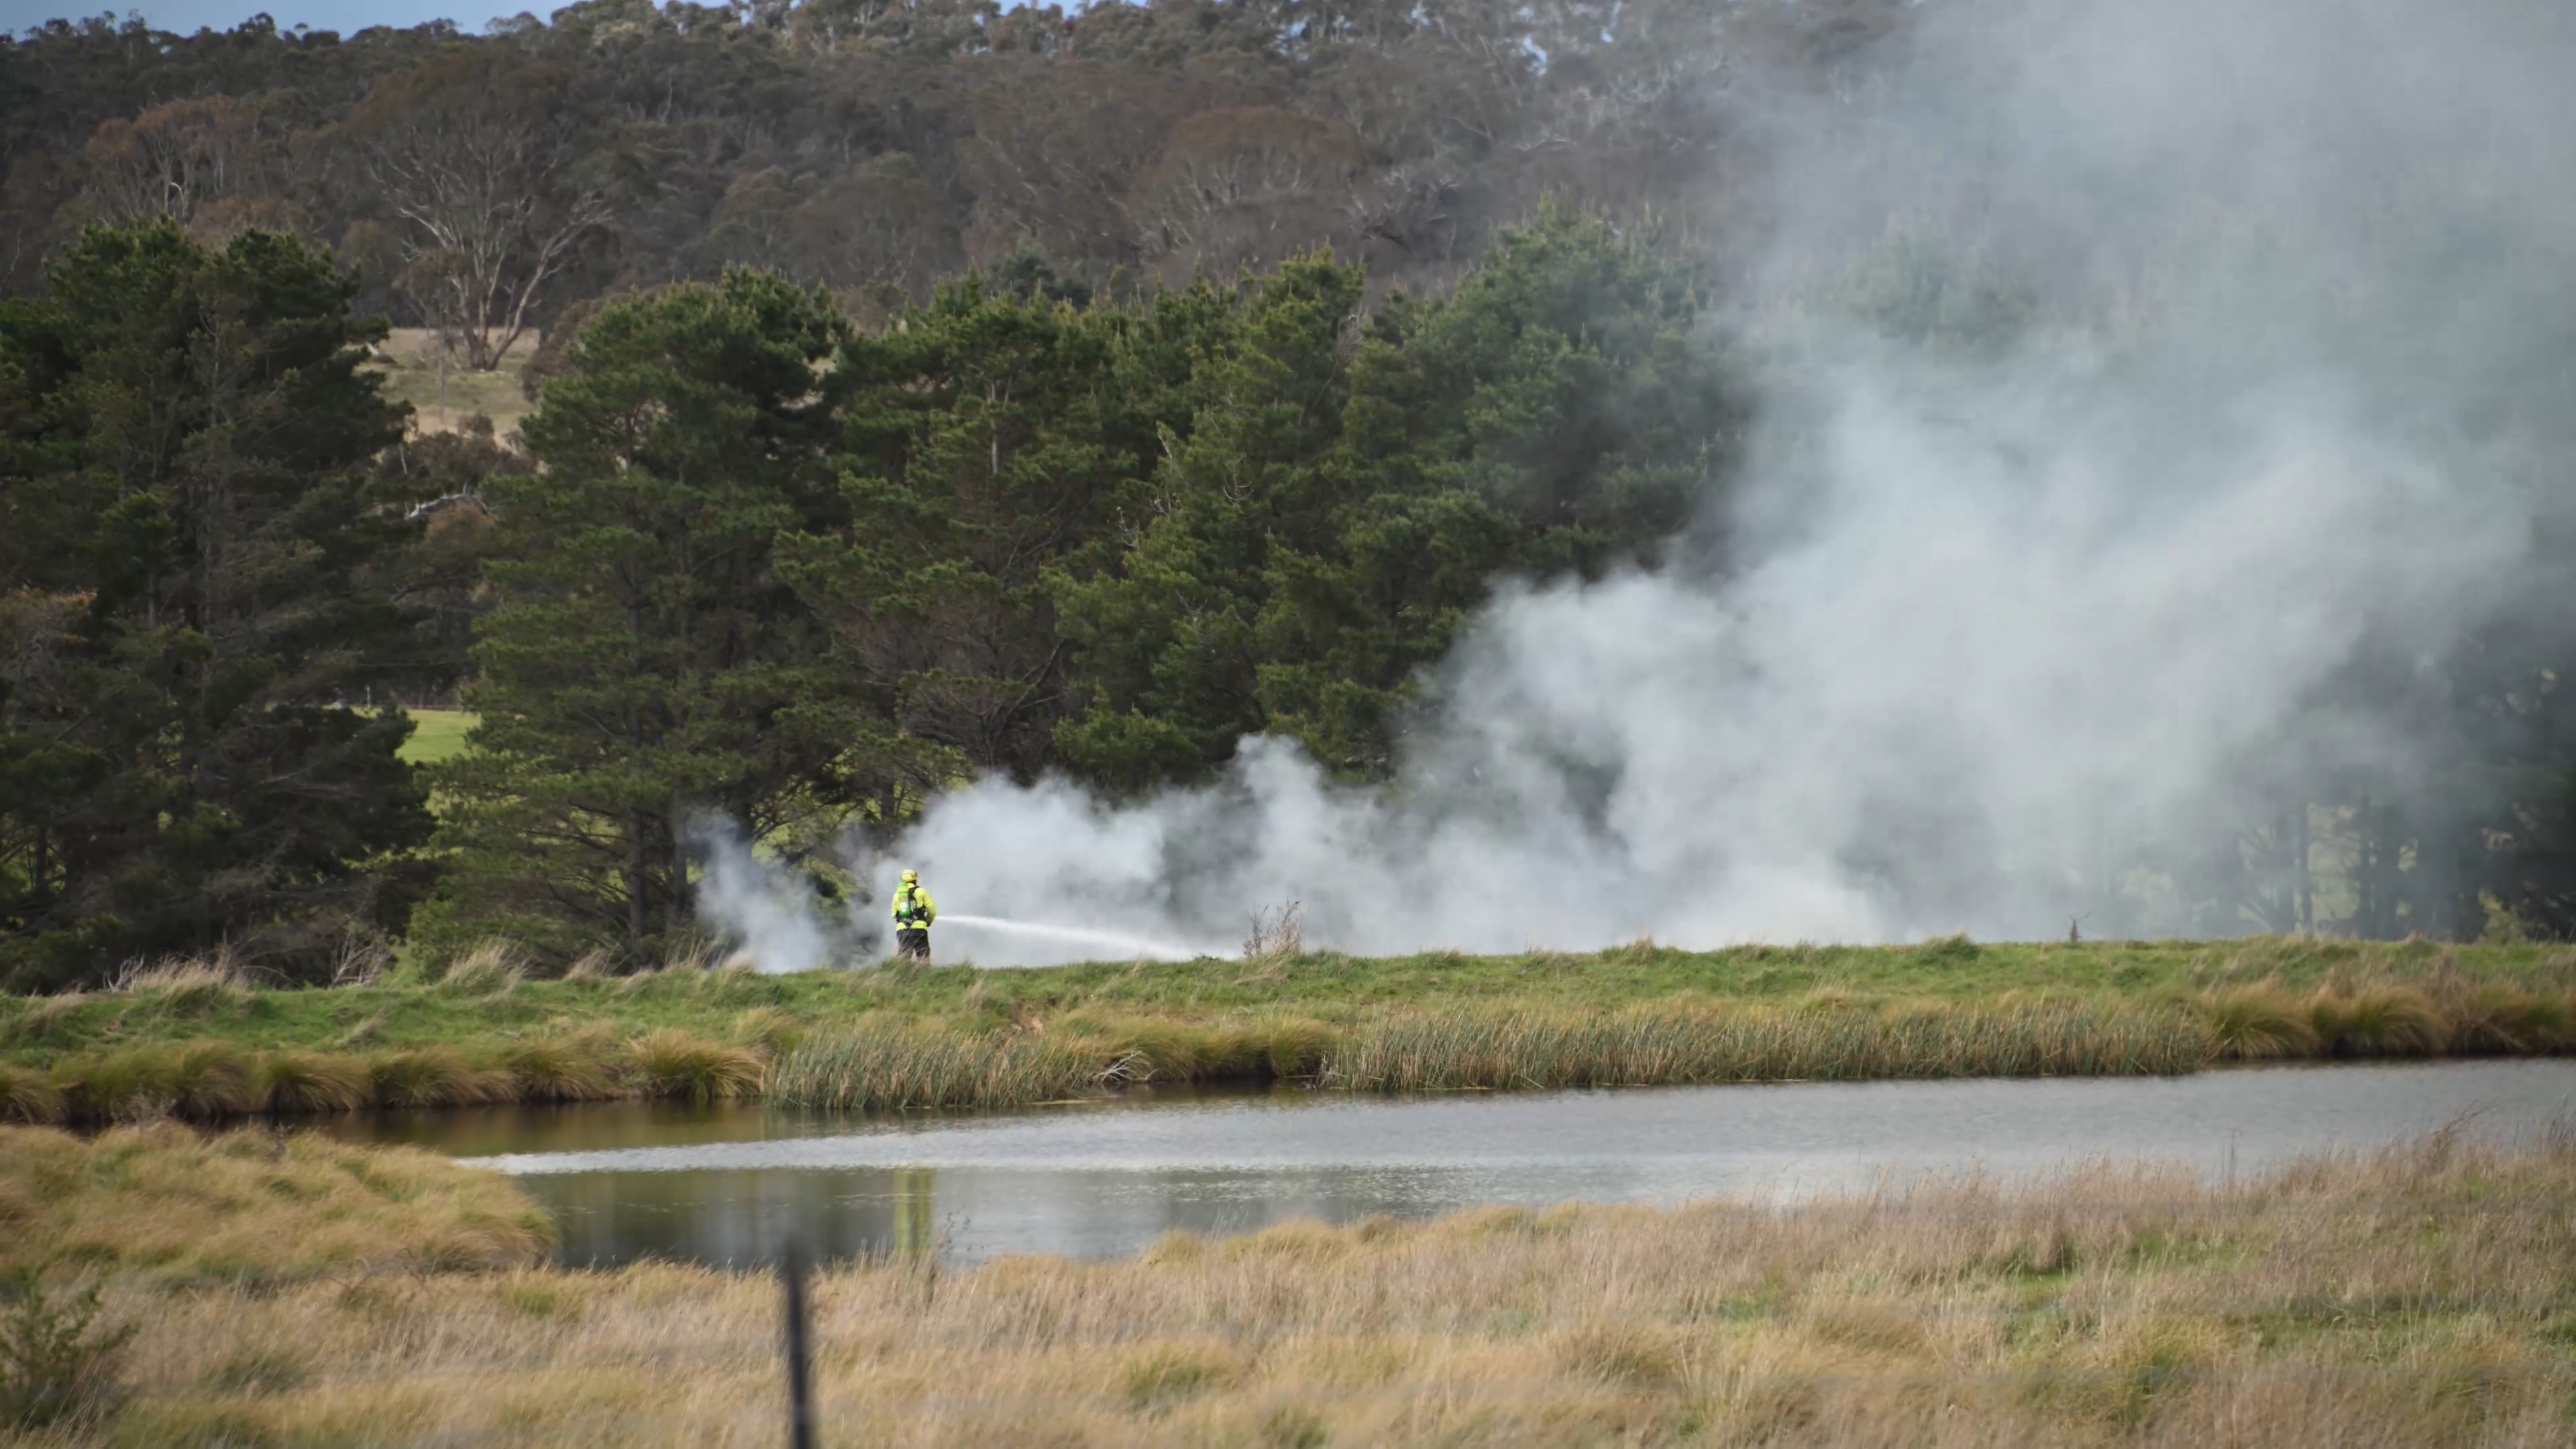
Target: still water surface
728	1185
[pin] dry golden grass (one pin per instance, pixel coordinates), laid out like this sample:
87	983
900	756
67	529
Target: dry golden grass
408	359
179	1207
2423	1296
191	985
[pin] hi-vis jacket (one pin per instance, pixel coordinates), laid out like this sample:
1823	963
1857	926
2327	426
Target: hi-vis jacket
913	909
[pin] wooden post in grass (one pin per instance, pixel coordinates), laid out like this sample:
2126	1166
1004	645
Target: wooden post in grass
793	1272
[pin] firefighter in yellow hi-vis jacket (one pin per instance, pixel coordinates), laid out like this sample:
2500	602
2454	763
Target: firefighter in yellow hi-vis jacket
913	913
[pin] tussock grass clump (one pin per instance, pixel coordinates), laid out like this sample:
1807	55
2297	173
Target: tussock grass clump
39	1019
125	1086
881	1068
2259	1023
179	1207
1500	1050
433	1076
2379	1021
1622	1354
27	1095
191	986
561	1069
1165	1049
2501	1020
483	969
768	1030
2387	1019
207	1079
212	1079
677	1064
1160	1375
317	1082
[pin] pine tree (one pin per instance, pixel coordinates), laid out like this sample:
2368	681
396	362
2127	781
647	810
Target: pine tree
645	663
189	607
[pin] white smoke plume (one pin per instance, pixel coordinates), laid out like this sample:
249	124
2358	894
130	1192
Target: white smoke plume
757	911
2301	273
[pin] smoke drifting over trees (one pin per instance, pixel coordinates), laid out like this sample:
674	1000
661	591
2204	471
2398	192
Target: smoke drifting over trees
1826	470
2166	435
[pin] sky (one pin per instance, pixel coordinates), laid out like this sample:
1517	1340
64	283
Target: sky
189	16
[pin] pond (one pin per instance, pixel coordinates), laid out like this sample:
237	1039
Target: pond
729	1185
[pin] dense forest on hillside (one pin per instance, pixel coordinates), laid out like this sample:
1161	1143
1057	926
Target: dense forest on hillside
919	391
485	183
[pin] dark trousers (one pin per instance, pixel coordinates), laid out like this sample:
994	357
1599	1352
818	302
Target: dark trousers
913	943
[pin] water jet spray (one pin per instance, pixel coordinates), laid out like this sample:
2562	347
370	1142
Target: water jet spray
1125	946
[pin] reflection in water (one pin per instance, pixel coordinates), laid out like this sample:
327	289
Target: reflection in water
730	1185
916	1196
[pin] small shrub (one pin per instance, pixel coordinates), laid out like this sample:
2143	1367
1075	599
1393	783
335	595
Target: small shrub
56	1364
1277	937
673	1063
1954	949
362	960
27	1096
317	1082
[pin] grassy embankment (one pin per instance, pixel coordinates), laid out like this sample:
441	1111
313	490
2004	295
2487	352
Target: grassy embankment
192	1041
2419	1296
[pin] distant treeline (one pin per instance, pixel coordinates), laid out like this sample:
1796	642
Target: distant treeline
480	183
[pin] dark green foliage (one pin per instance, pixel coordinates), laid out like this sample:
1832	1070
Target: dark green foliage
56	1363
1350	492
192	594
1116	540
646	664
995	443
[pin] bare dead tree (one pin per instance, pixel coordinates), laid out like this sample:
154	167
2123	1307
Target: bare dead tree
485	164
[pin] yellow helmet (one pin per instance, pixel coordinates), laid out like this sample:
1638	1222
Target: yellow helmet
912	877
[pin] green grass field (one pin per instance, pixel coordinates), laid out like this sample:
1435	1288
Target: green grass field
194	1040
437	735
1328	987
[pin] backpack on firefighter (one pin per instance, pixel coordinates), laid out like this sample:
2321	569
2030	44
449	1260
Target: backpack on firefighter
913	913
